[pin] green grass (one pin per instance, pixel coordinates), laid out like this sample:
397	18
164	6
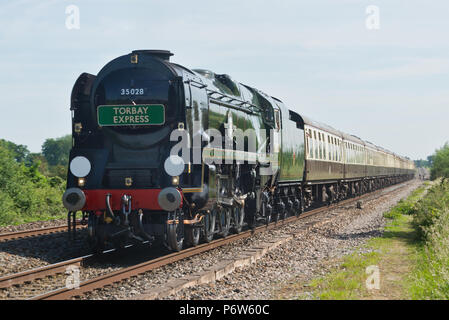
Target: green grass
406	207
348	280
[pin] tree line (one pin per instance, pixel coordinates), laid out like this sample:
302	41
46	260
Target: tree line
52	161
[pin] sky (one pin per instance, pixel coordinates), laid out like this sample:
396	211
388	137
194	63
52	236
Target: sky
382	75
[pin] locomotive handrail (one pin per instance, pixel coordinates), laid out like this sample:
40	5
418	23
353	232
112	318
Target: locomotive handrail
201	85
252	108
232	106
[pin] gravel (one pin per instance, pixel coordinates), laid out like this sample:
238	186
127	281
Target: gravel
34	225
31	252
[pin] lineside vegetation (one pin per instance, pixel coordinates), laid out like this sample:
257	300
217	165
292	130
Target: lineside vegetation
430	279
30	187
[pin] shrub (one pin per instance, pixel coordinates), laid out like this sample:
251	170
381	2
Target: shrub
432	275
25	193
428	209
440	163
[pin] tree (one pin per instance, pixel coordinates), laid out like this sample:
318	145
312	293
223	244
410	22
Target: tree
422	163
19	151
38	160
56	151
440	163
430	160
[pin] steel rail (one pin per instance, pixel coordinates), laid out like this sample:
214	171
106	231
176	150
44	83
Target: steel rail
41	272
48	270
128	272
34	232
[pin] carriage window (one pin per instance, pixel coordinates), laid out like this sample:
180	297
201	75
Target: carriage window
310	143
334	143
362	161
324	146
362	155
331	148
277	118
348	160
323	150
350	153
320	145
323	140
312	146
346	151
339	150
359	155
334	151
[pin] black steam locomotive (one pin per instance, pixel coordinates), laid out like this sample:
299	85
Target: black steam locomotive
162	152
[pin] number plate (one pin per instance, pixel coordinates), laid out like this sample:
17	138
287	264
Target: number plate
131	115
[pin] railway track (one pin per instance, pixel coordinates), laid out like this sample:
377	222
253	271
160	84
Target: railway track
48	270
41	272
35	232
134	270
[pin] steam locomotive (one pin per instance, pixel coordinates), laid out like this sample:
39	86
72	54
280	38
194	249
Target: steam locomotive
165	153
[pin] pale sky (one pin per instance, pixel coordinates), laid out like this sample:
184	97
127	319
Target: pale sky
389	86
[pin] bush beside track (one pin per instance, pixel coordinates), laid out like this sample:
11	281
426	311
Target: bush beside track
25	193
430	279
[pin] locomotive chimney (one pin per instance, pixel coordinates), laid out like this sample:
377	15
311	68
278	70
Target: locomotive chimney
161	54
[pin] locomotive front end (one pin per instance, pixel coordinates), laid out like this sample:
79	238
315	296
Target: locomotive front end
121	174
